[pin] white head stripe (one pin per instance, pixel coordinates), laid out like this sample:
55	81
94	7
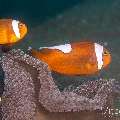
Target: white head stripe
16	28
64	48
99	54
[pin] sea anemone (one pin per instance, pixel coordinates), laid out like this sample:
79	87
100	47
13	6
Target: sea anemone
30	89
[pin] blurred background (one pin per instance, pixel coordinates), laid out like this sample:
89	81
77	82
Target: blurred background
53	22
34	12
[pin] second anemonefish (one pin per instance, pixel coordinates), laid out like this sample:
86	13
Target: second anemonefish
11	31
81	58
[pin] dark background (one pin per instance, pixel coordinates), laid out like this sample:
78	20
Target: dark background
34	11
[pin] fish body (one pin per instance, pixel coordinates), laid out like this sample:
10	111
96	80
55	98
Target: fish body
11	31
81	58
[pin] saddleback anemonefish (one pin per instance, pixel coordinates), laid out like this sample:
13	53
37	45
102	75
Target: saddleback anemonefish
79	58
11	31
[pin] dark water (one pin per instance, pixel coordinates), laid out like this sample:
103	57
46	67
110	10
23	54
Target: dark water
34	12
54	22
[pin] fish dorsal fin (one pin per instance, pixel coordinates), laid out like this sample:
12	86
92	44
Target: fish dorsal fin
66	48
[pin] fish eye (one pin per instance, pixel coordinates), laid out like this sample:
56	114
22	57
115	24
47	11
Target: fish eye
20	25
106	52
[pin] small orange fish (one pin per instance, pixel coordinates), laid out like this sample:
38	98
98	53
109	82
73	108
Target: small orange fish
81	58
11	31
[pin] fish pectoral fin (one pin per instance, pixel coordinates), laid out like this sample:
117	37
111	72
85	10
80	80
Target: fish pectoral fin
13	39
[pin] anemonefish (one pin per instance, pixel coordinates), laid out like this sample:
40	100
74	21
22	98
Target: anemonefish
11	31
80	58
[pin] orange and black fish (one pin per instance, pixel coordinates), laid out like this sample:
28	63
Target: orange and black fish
80	58
11	31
